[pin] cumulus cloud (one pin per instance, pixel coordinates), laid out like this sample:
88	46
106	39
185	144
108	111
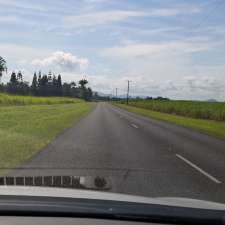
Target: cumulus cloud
62	61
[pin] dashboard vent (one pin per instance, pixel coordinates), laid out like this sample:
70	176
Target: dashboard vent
80	182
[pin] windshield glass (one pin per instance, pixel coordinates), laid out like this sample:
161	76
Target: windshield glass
121	96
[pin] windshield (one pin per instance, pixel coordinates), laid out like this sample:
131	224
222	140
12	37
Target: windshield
120	96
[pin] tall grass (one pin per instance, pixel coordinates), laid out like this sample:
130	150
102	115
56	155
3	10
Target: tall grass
193	109
210	127
7	100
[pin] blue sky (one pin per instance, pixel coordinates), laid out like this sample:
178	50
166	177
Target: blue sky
173	48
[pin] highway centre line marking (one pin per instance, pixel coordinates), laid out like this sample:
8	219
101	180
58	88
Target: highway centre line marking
199	169
135	126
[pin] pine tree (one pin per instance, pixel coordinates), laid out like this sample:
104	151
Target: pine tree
54	86
39	78
59	81
13	79
12	85
34	85
59	85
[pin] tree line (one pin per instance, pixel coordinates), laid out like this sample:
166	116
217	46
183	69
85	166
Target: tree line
44	85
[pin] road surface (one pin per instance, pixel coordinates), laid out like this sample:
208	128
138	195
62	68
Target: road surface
140	156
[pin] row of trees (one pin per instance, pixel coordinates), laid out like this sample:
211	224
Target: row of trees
44	85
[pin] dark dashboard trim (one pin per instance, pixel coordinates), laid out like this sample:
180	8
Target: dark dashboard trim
106	209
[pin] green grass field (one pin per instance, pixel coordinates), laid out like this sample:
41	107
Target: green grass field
25	129
193	109
211	127
6	100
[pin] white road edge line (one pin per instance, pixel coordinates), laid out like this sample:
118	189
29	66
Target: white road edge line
133	125
199	169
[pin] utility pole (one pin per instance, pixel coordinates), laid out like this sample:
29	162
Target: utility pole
128	89
116	93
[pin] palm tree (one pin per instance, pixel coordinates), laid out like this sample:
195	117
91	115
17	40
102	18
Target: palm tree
19	76
2	67
82	83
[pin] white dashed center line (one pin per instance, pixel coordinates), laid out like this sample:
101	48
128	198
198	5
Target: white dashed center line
135	126
199	169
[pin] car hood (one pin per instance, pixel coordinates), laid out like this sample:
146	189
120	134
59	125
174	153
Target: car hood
87	194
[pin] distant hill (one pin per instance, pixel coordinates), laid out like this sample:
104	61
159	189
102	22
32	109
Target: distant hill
211	100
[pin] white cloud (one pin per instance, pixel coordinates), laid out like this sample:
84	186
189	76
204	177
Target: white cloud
194	87
96	1
110	16
8	19
190	87
22	5
17	52
143	50
100	18
161	67
205	83
139	85
63	61
166	12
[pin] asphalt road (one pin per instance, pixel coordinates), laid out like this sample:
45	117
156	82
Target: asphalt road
139	156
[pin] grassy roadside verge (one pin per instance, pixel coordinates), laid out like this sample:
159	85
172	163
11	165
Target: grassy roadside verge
24	130
213	128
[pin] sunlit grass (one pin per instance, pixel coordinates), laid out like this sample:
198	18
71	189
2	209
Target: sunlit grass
6	100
